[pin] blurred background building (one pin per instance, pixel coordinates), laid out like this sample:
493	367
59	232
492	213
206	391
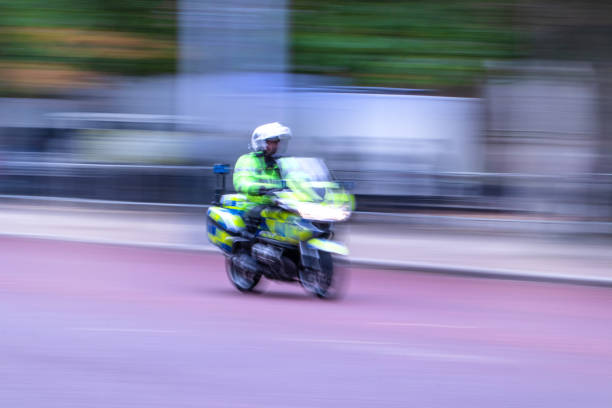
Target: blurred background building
472	105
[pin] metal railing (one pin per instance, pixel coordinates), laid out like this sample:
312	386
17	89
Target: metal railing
110	182
195	185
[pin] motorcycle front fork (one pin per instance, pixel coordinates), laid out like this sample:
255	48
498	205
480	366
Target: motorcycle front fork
309	256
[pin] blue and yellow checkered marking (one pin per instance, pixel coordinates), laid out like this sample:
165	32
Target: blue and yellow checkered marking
236	202
227	219
220	238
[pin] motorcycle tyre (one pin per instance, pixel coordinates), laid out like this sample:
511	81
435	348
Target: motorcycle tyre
328	282
238	278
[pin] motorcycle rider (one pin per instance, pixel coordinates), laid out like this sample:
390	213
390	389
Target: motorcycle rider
257	174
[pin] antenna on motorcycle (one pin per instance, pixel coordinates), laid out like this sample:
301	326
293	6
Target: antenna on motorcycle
220	170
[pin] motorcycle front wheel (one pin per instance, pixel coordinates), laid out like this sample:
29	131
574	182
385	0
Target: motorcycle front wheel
325	283
242	279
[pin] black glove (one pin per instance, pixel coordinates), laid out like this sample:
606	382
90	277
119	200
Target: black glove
268	190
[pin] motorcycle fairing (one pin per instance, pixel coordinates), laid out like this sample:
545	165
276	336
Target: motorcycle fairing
328	246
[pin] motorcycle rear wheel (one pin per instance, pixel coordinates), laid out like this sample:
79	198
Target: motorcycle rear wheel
243	280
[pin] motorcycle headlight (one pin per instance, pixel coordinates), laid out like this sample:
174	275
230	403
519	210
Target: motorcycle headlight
312	211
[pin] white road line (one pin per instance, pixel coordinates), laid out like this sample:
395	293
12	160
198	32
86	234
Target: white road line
441	356
398	350
433	325
339	341
120	330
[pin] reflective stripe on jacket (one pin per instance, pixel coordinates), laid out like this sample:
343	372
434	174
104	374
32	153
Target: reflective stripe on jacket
252	173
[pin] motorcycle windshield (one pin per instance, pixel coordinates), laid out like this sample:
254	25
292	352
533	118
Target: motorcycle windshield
305	169
309	180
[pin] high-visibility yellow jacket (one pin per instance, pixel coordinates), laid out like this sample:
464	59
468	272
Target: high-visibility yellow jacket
253	173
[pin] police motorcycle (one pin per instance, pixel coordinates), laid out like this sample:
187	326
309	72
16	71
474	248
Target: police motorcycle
294	241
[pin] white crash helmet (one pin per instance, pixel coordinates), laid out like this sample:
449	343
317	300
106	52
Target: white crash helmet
270	131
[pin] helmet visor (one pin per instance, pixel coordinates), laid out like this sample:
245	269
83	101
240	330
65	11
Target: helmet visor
282	146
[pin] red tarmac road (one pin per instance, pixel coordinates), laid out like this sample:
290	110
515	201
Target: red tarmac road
106	326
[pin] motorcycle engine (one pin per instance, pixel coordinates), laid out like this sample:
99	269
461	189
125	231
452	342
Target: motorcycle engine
278	266
267	254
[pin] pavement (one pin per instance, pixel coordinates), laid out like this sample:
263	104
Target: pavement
381	241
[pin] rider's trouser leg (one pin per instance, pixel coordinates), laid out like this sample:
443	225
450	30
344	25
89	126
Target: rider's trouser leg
253	218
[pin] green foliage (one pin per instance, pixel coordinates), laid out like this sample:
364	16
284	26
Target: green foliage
132	37
403	43
144	16
438	44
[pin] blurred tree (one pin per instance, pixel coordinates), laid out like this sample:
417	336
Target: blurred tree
411	44
48	47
